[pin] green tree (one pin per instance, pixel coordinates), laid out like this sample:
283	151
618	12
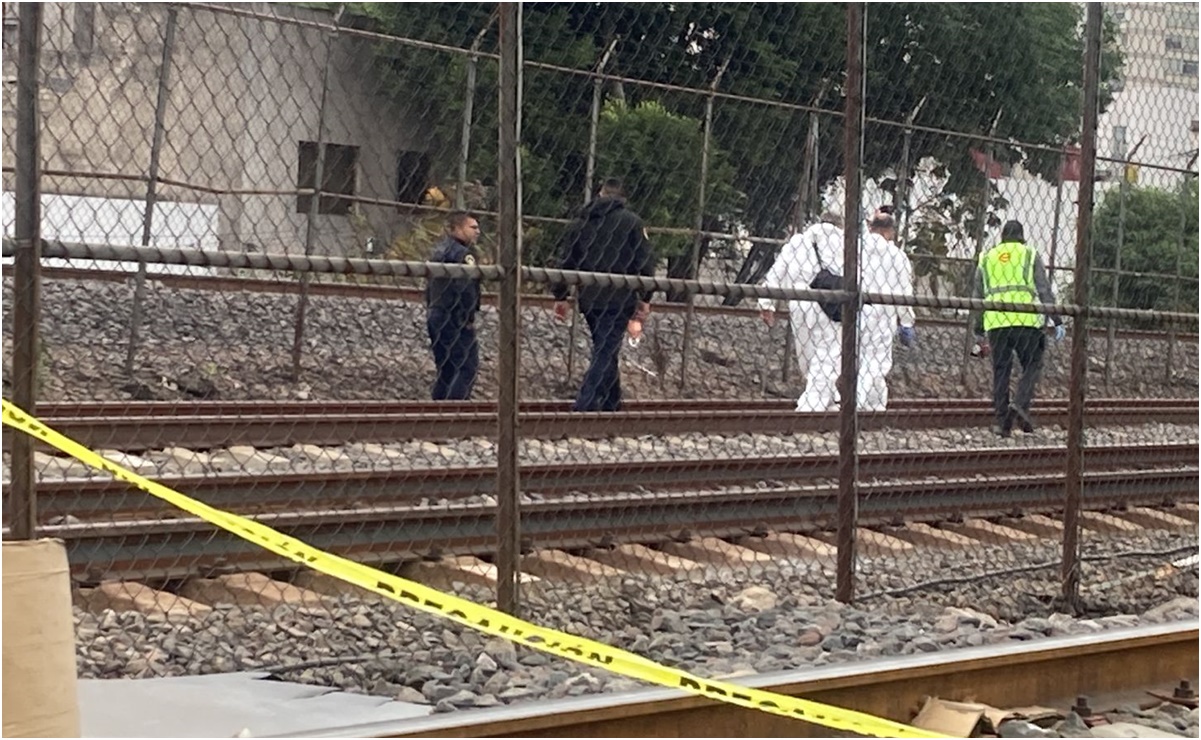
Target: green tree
969	61
658	155
1153	234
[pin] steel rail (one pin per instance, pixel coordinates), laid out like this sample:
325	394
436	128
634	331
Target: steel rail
118	409
175	548
414	294
207	431
1045	672
245	493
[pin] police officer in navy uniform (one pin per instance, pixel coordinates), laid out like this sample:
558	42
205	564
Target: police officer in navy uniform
607	237
451	306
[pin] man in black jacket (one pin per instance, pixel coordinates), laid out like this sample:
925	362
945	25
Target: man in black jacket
451	306
607	237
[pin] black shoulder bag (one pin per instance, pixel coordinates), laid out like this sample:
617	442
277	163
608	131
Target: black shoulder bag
827	280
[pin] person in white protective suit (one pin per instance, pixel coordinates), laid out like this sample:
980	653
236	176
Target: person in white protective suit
817	337
883	268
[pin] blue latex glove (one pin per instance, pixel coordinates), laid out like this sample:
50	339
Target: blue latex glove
908	336
1060	333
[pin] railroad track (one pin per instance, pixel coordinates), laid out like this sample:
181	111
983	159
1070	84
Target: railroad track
160	548
245	493
1049	672
207	425
117	409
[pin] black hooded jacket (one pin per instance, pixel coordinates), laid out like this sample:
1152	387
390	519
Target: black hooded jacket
607	237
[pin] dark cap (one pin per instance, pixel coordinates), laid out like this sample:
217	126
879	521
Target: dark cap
1012	231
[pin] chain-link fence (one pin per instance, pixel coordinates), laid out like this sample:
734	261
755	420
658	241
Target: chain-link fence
270	233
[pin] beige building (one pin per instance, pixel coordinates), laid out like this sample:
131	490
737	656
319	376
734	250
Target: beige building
241	123
1156	101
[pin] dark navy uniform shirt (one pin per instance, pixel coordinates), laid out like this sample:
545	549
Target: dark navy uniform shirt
458	297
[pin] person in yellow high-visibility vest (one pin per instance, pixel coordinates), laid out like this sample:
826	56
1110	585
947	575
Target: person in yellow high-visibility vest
1013	272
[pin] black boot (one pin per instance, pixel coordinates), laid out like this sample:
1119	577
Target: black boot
1023	418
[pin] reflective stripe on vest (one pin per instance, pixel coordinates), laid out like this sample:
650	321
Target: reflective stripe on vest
1008	270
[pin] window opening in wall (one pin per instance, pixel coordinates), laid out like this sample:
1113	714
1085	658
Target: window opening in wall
337	176
412	176
1188	68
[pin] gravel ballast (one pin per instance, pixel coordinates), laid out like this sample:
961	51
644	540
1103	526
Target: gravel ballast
238	346
733	622
476	452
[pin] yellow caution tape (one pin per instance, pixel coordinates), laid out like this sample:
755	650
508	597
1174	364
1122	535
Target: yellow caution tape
477	617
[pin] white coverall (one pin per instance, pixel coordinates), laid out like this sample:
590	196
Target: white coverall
817	338
883	268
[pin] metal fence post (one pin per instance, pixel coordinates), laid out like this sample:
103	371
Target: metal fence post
598	85
310	225
508	516
1051	263
695	259
22	495
156	150
900	192
473	62
808	195
1115	298
848	382
969	270
1078	379
789	349
1179	258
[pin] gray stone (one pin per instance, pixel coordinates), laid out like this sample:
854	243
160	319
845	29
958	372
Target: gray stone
1073	726
925	645
436	691
1129	729
463	698
1177	608
515	694
755	599
485	663
1036	624
410	695
1022	728
534	659
485	701
1175	711
586	681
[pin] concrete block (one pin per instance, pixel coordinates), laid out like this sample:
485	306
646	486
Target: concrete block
714	551
248	589
561	566
129	596
642	559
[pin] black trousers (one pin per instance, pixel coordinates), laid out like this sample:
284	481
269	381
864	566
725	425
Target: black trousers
601	389
1028	344
456	356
